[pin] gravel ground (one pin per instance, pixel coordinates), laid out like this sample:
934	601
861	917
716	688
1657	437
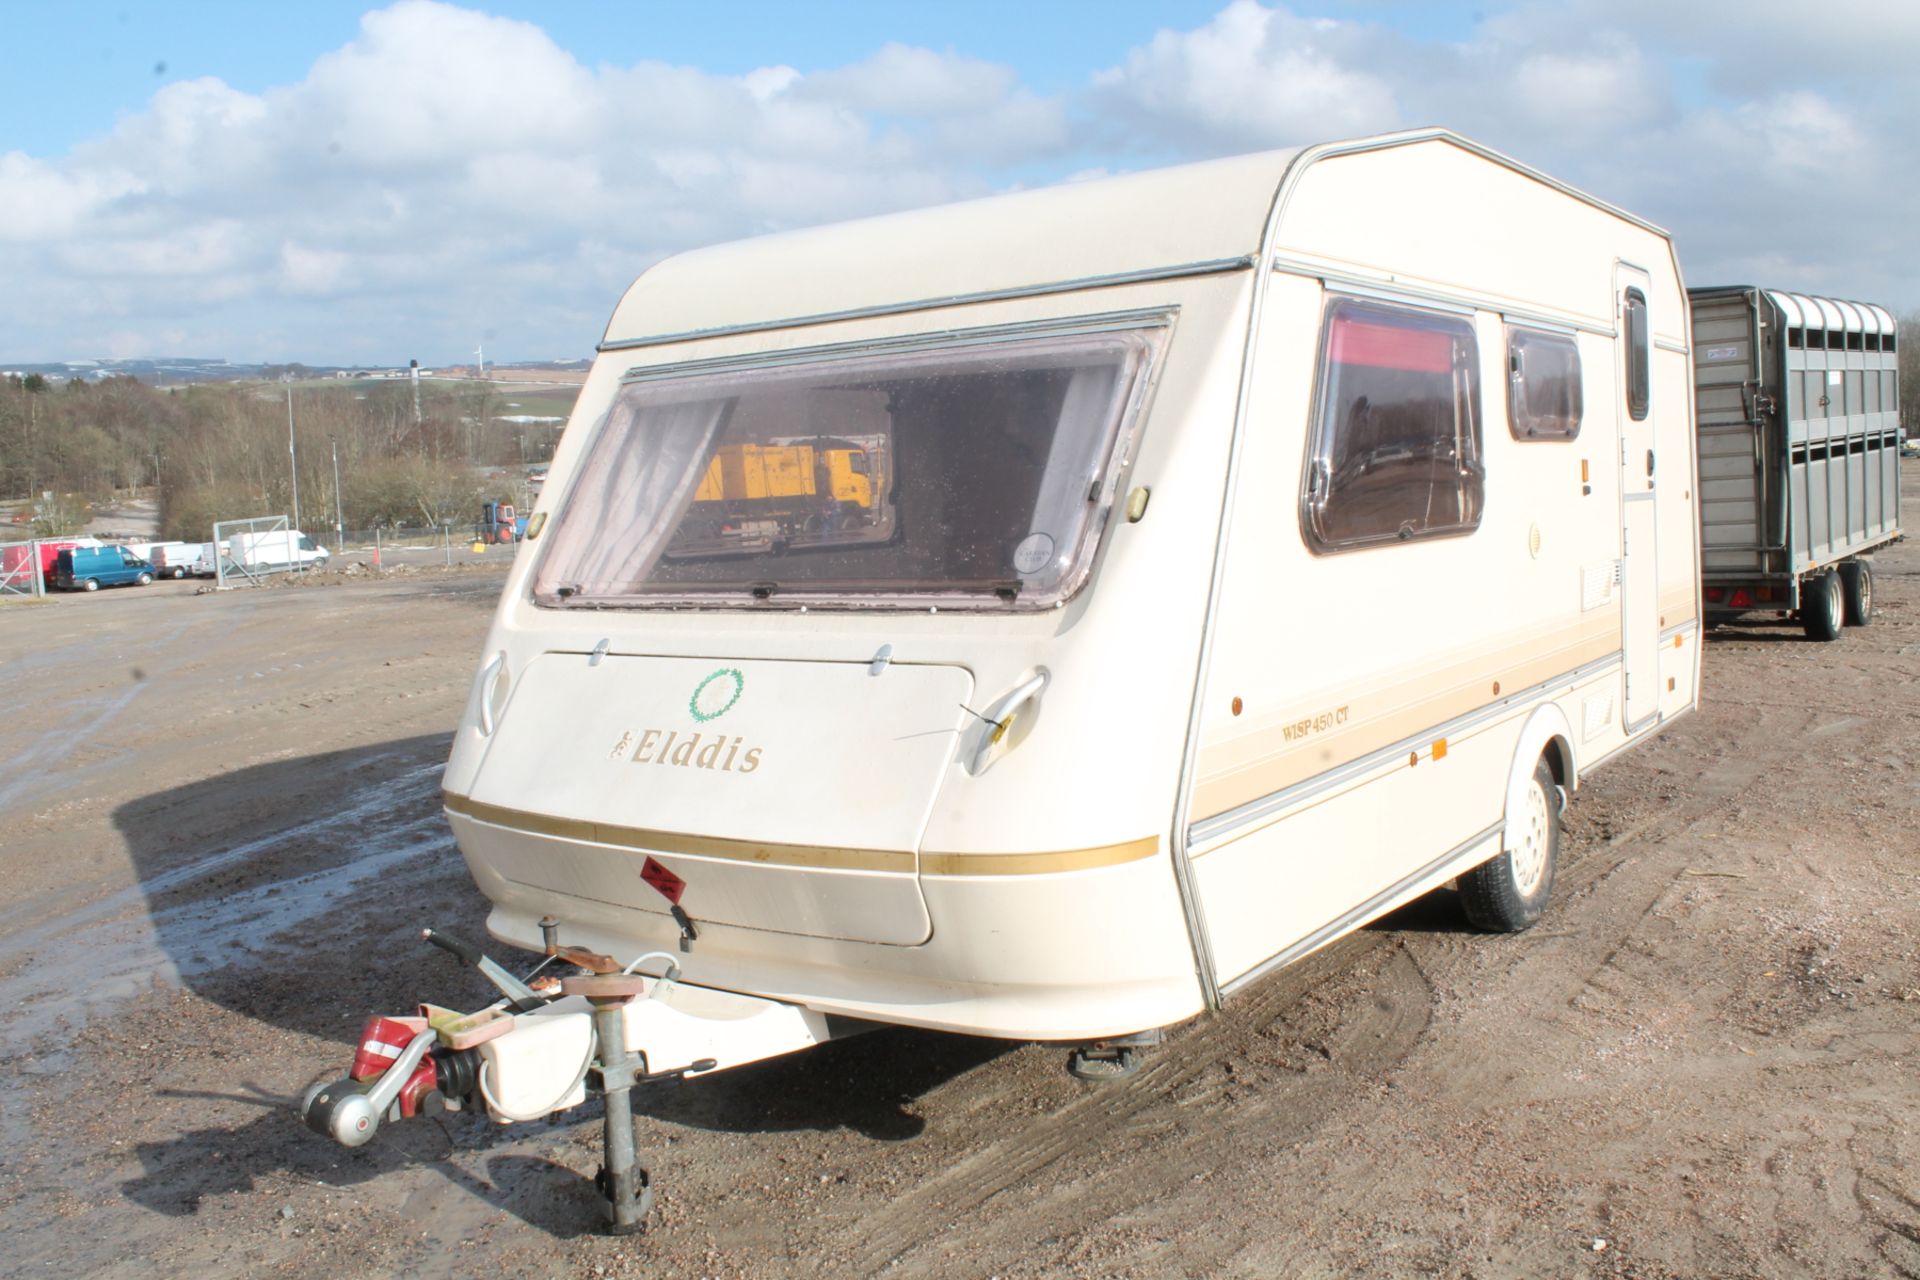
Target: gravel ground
220	834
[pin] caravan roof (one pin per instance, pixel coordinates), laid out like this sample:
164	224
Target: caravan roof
1174	221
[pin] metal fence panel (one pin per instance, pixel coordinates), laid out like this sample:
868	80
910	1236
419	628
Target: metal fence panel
20	571
237	546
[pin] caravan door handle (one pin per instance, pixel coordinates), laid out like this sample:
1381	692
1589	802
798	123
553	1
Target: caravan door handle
1649	464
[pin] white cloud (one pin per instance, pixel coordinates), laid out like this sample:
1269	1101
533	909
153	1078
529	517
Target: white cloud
1253	76
1741	125
1805	135
900	80
39	201
448	171
379	200
316	271
1586	95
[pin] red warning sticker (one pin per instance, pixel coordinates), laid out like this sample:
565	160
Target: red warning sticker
669	885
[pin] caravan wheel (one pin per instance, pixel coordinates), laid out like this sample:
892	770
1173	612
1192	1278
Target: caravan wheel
1856	592
1508	893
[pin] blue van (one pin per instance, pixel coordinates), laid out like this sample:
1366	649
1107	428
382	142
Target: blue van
91	568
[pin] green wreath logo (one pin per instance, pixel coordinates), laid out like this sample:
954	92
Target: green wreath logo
724	673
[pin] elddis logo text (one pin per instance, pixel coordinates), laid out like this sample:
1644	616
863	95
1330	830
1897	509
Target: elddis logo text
695	751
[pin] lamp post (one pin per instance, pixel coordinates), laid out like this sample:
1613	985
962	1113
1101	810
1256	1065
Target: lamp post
339	525
293	464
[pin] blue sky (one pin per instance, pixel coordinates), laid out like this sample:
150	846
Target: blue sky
342	182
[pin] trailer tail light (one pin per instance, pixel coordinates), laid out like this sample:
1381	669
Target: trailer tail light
1763	593
1742	598
1716	595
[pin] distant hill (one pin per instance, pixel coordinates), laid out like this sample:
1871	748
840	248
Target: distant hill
174	370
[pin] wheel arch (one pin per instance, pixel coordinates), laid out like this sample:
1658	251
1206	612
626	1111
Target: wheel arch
1545	734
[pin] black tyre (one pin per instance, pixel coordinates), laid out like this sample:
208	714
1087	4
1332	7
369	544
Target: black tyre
91	585
1507	893
144	580
1856	592
1820	607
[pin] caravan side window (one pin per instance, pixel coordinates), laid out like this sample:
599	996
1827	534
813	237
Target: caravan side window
1396	445
1543	385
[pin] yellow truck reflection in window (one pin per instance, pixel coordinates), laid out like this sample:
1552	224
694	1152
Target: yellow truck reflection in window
821	492
777	473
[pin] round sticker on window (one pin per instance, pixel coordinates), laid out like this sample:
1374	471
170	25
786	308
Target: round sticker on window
1034	553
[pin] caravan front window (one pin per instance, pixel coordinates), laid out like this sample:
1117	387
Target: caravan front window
971	472
1396	446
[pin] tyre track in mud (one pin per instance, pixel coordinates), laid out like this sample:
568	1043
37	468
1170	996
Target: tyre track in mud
1036	1184
1153	1107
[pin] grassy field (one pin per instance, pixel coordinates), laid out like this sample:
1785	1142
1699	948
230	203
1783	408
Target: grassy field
540	402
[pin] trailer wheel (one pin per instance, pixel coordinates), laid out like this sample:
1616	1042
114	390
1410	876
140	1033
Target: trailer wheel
1856	590
1507	893
1820	606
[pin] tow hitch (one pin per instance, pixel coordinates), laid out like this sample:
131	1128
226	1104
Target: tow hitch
553	1040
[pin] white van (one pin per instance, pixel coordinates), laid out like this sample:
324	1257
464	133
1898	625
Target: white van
277	549
169	559
201	559
1040	617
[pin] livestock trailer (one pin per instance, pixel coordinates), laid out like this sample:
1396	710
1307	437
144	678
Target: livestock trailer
1798	404
1271	541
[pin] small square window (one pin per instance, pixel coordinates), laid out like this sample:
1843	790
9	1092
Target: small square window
1544	400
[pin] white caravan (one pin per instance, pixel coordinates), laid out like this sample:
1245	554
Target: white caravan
1042	616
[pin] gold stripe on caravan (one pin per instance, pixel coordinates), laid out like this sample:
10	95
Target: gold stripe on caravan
801	855
1034	864
785	855
1259	763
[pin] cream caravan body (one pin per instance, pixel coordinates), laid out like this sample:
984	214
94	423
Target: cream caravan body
1035	617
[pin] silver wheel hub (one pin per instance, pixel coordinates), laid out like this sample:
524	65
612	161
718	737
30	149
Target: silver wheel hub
1528	855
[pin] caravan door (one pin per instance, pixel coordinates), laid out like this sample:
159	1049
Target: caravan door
1639	473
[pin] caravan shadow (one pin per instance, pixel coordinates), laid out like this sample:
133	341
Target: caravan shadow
292	893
